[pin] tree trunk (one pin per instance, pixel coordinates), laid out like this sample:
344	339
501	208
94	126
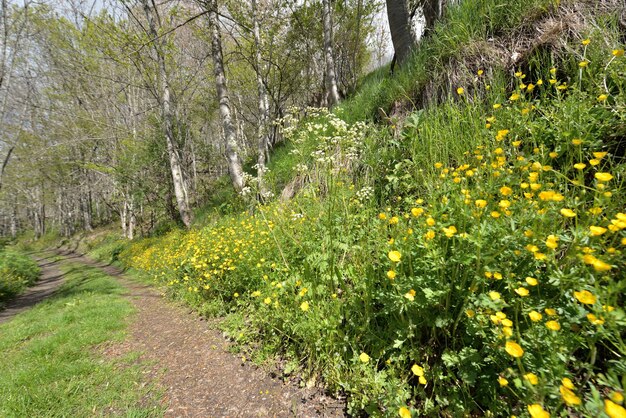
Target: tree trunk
232	150
167	114
332	92
402	35
432	9
262	128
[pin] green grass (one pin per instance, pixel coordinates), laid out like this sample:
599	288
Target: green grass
51	364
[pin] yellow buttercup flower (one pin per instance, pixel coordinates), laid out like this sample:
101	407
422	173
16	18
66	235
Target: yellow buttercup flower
577	141
422	380
417	212
391	274
430	234
602	97
417	370
569	396
506	191
460	91
404	412
364	358
586	42
514	349
594	319
585	297
537	411
603	177
617	397
614	410
494	295
552	241
597	230
394	256
410	295
618	53
382	216
567	382
531	378
304	306
430	221
522	291
449	232
553	325
535	316
531	281
600	155
580	166
480	203
502	381
568	213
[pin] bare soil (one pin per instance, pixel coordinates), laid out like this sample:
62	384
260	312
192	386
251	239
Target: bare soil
190	361
50	280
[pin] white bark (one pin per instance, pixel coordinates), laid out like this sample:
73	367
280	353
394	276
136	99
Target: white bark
167	114
332	92
262	128
230	137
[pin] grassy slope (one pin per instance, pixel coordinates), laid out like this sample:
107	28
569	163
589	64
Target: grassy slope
50	362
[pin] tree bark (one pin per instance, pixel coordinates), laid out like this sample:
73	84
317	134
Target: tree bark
262	128
402	35
167	114
235	169
432	9
332	93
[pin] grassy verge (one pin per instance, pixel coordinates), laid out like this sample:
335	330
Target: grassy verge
50	365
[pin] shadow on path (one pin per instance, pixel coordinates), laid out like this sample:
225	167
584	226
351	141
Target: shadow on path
50	280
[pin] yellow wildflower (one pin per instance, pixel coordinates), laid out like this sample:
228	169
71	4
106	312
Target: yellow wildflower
514	349
585	297
597	230
494	295
618	53
602	97
552	241
391	274
614	410
304	306
417	370
364	358
394	256
404	412
531	281
580	166
553	325
603	177
537	411
531	378
522	291
568	213
460	91
535	316
569	396
502	381
410	295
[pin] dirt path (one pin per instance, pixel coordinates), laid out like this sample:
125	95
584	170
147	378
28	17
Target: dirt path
200	378
50	280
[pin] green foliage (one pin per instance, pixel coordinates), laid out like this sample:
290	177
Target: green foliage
50	365
17	272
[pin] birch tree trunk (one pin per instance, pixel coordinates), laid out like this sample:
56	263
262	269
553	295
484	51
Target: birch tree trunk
332	92
262	128
402	35
167	115
235	169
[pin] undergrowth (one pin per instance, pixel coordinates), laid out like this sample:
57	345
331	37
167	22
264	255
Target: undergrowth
17	272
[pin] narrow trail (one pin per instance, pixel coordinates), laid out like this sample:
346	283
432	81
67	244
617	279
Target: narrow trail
50	280
191	364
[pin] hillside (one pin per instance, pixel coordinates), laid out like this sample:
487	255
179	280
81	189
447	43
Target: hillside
447	241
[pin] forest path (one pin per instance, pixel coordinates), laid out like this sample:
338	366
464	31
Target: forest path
191	363
49	281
